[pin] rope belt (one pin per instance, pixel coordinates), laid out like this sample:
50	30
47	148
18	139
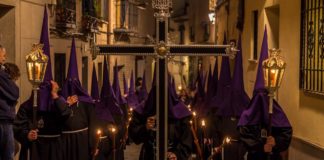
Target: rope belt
49	136
75	131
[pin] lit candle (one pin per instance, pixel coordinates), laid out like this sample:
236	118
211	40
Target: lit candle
37	71
179	87
203	124
97	140
195	120
272	77
113	131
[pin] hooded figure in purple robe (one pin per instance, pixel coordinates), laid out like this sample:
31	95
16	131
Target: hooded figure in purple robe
142	92
229	112
132	98
254	122
179	134
51	114
116	86
199	98
94	85
126	90
78	134
110	114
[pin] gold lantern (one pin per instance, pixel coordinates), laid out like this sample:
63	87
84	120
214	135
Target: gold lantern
36	62
273	70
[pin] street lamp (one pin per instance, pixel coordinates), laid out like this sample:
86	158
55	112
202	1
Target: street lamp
36	62
273	70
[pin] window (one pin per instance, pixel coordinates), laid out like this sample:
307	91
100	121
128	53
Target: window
59	68
255	22
312	46
85	72
133	17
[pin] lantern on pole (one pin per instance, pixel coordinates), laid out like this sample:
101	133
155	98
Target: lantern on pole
36	62
273	70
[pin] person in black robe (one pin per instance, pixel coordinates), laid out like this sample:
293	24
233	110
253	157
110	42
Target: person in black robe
42	141
78	134
254	122
109	116
122	123
228	114
141	128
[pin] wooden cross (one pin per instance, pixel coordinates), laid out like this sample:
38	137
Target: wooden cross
162	50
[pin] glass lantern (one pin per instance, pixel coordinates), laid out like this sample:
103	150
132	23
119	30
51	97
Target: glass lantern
36	62
273	70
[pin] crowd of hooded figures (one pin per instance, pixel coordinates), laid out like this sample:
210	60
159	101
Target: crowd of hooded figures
221	122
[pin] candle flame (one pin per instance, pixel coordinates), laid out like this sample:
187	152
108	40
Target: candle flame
113	129
203	123
190	121
98	132
227	139
179	87
131	109
194	113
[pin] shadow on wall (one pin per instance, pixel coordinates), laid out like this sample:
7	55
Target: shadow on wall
301	150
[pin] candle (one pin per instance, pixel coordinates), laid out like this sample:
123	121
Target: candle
113	130
37	71
195	120
179	87
272	77
97	140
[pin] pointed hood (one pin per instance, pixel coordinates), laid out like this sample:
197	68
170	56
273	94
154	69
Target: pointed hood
238	100
210	90
142	93
44	39
125	84
215	78
199	98
132	98
45	101
177	109
94	85
108	105
224	81
72	85
257	110
116	87
210	84
259	82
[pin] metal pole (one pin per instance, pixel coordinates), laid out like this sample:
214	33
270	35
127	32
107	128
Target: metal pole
35	89
271	97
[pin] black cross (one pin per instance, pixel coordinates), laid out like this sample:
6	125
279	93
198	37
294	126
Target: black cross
162	51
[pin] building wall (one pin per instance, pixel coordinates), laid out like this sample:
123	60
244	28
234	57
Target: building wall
304	111
27	22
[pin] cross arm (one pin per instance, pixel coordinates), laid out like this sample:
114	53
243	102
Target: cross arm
200	50
137	50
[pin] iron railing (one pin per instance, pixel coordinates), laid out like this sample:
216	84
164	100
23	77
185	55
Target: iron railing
312	46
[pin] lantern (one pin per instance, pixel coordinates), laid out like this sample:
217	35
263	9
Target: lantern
36	62
273	70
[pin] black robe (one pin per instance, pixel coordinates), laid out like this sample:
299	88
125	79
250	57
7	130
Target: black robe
179	137
48	144
227	127
251	136
78	133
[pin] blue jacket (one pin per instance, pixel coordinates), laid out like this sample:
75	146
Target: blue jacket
9	94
